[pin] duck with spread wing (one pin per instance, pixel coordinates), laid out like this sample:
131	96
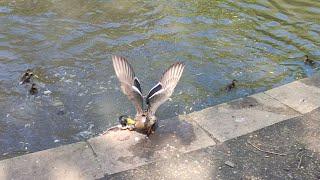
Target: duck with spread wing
145	120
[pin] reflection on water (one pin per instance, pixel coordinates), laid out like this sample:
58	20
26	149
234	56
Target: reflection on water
69	43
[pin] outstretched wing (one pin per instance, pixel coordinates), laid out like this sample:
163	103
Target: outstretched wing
164	89
130	84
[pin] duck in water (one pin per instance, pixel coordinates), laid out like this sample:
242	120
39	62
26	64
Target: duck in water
33	90
26	77
308	61
232	85
145	119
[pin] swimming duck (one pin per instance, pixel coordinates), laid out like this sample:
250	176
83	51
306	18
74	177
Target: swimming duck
33	90
232	85
26	77
145	120
308	61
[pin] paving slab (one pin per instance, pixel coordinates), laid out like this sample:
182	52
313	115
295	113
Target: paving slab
303	95
242	116
122	150
74	161
286	150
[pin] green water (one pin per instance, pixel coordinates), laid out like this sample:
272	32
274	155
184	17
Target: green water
69	43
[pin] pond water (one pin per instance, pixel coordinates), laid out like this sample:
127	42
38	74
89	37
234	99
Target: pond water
69	43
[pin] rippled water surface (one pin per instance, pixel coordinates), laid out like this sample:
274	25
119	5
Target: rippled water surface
69	43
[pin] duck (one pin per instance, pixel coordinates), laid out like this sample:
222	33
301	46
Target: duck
33	90
308	61
231	85
145	119
26	77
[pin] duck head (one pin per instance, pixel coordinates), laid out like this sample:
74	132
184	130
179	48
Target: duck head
306	58
234	81
125	120
28	73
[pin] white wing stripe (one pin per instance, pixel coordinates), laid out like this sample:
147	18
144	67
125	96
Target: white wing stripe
135	78
154	87
136	89
156	93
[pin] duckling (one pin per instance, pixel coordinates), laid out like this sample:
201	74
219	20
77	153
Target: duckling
145	119
26	77
33	90
308	61
232	85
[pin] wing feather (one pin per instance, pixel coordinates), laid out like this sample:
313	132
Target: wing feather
164	89
130	84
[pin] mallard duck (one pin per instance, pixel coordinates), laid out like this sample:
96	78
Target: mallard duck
308	61
231	85
130	85
26	77
33	90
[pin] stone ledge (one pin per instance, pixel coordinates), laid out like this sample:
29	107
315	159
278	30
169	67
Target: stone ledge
122	150
242	116
303	95
74	161
118	151
297	139
113	152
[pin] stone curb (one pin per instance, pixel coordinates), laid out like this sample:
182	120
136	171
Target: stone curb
119	151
